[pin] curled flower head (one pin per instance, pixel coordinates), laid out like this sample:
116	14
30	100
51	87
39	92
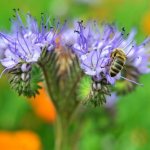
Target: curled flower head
95	47
26	41
28	44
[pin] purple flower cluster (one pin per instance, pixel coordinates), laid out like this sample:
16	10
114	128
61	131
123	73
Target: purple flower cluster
95	45
91	44
25	42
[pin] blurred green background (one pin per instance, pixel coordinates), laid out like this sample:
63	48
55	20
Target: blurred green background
125	126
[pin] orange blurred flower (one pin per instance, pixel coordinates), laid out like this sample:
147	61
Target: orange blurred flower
146	23
20	140
43	106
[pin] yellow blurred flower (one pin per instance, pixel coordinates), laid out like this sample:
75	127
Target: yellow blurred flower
20	140
146	23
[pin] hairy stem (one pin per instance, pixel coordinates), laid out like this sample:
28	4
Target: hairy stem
48	83
61	134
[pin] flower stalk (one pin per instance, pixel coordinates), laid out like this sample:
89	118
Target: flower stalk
48	83
61	134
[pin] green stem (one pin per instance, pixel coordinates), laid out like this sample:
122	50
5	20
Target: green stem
75	113
61	134
58	134
68	131
60	126
48	84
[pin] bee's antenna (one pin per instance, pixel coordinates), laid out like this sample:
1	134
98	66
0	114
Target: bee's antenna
131	81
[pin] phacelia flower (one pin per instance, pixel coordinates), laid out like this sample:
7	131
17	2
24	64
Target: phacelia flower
26	41
29	43
95	46
137	63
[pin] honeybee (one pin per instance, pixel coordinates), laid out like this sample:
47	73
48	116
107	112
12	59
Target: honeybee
118	61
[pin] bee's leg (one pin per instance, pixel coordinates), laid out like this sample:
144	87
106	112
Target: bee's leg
132	81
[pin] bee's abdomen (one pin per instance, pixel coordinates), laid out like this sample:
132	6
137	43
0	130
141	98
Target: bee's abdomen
116	66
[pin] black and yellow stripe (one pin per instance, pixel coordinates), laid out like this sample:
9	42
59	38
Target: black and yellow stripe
118	61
